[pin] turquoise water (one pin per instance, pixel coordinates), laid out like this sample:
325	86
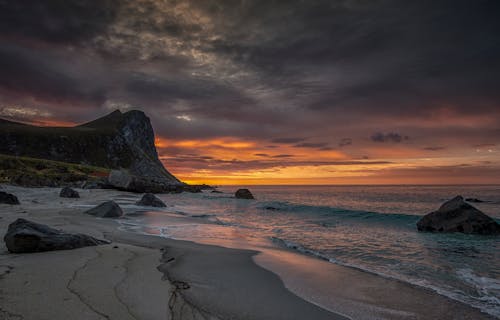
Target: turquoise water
366	227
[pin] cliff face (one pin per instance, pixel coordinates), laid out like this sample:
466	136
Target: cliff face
116	141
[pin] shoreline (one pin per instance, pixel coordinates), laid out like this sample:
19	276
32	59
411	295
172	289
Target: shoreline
212	292
105	282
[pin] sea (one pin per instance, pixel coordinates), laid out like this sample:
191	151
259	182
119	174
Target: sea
370	228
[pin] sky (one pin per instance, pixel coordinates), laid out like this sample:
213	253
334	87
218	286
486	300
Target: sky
271	92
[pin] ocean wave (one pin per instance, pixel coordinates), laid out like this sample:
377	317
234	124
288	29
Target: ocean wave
287	207
487	288
143	229
300	248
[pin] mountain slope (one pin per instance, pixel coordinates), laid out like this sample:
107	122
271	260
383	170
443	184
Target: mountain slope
116	141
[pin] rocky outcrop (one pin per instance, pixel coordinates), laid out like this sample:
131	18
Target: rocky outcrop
456	215
108	209
7	198
25	236
67	192
150	200
116	141
243	194
123	180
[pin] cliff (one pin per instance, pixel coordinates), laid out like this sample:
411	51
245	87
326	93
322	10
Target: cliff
116	141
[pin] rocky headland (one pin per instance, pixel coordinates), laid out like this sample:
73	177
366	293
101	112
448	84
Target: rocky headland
115	151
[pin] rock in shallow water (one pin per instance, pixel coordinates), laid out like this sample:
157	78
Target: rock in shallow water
25	236
8	198
67	192
150	200
243	194
108	209
456	215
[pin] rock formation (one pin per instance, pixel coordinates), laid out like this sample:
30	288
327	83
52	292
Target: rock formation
150	200
67	192
116	141
108	209
123	180
25	236
7	198
456	215
243	194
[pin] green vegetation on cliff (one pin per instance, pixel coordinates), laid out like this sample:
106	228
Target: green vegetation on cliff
40	172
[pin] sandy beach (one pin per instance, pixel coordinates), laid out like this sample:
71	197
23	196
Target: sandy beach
149	277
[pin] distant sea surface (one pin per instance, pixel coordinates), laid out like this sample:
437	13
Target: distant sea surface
371	228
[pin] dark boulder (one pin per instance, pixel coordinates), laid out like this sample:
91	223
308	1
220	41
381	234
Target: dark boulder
25	236
122	180
8	198
67	192
108	209
243	194
150	200
456	215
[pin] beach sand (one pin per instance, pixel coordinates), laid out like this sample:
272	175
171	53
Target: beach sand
148	277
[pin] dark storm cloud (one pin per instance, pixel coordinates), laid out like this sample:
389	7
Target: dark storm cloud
434	148
345	142
388	137
148	88
312	145
25	73
60	21
278	156
288	140
260	69
388	50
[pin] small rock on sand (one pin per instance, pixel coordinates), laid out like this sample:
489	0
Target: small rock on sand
8	198
150	200
243	194
67	192
108	209
25	236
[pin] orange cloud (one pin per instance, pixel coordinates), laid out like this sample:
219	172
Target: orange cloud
229	161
